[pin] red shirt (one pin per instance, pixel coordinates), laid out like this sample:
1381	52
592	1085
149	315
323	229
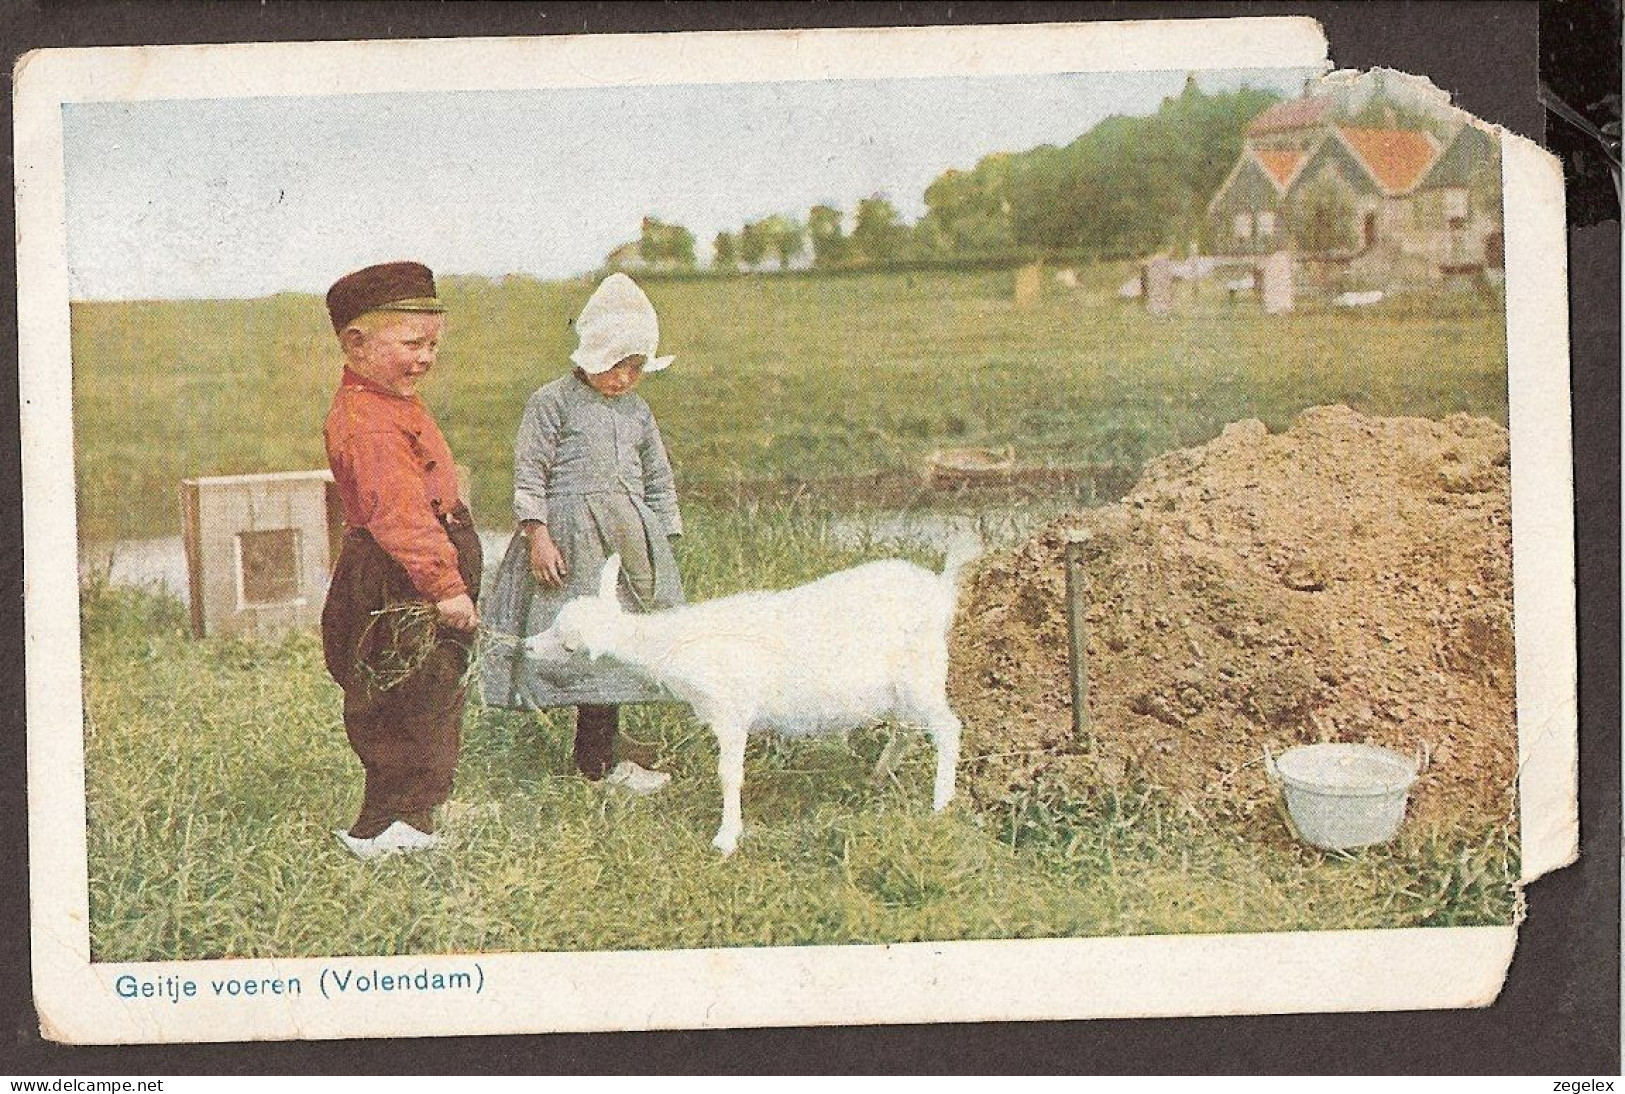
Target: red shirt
396	476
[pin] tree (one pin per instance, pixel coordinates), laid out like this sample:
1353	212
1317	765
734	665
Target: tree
782	235
652	241
1322	222
971	209
1384	111
682	246
879	234
929	240
1322	219
787	237
725	252
753	244
1128	186
665	244
829	243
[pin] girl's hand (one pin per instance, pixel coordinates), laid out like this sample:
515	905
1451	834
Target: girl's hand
547	563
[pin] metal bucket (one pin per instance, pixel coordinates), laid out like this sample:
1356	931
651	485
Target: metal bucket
1342	795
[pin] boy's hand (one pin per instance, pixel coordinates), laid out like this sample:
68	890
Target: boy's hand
547	563
458	612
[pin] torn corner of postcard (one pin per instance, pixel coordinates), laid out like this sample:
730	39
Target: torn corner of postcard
1247	685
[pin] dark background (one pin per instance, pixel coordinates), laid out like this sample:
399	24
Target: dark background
1559	1014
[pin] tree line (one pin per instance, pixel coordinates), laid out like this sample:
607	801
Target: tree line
1127	187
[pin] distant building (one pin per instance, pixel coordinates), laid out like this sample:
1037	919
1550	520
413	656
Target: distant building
660	247
1385	203
628	256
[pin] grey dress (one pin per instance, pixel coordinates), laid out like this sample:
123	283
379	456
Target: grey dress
595	471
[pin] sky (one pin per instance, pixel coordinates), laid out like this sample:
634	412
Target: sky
216	198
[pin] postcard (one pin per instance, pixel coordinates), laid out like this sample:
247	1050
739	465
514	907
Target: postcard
784	528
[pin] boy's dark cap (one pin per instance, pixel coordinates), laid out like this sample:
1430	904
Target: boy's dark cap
390	286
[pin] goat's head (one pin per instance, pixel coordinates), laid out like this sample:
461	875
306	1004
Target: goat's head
583	624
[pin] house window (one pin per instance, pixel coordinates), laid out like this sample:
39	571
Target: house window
1455	208
1266	223
1243	228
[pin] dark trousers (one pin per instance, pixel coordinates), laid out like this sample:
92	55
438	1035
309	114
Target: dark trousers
596	727
402	675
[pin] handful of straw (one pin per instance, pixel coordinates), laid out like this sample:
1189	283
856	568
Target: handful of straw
404	636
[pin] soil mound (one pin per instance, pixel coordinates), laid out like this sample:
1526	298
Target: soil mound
1347	580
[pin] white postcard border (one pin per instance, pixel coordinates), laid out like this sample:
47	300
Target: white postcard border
956	981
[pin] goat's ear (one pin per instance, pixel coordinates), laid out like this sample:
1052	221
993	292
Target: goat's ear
608	576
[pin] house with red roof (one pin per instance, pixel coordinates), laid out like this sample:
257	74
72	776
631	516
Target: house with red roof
1377	202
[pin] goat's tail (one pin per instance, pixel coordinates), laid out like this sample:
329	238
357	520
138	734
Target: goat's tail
963	550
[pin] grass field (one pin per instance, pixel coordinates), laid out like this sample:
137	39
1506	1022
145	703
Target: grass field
216	769
802	376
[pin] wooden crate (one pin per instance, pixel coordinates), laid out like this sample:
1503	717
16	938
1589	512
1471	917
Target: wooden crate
258	551
260	548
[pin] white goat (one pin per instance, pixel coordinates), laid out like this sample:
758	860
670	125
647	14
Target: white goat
841	652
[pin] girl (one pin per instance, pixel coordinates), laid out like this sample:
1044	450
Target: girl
591	479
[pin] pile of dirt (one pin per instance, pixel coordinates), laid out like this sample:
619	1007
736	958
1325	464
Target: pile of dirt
1347	580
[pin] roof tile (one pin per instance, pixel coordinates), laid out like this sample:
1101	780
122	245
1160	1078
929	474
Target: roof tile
1396	158
1281	163
1295	114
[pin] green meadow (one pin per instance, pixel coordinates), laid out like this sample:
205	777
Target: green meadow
216	769
809	377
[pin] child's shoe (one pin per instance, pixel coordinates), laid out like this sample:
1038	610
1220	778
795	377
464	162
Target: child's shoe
398	839
630	777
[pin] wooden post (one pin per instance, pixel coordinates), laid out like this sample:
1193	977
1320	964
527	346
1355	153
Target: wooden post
1159	286
1275	283
1078	641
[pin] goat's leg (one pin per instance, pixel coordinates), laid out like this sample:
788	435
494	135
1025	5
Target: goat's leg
731	774
944	727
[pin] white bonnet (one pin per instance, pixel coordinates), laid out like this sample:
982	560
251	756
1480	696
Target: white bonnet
617	322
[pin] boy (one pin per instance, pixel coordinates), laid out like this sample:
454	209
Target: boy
408	539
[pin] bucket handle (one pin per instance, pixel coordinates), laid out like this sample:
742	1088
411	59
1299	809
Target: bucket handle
1424	761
